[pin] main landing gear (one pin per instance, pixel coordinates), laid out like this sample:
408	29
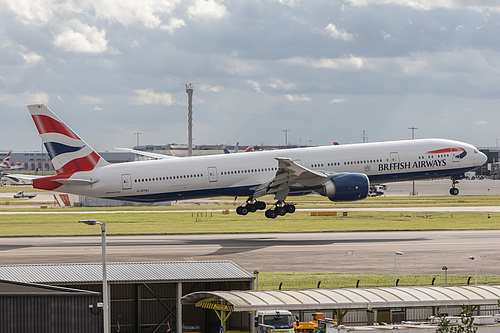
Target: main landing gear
453	189
280	208
250	206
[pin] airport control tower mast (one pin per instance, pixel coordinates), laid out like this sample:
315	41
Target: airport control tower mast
189	91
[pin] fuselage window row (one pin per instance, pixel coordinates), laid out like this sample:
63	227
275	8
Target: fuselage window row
234	172
144	180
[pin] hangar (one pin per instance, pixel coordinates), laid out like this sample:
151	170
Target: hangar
28	307
144	297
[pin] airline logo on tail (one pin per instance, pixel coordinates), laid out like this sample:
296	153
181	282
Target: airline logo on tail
458	152
5	164
67	151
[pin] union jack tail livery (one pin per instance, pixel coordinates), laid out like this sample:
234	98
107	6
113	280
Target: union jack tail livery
67	151
6	165
6	161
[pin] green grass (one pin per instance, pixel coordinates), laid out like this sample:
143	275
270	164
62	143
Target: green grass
130	223
272	281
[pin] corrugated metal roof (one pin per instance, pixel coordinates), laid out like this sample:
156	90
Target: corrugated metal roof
352	298
126	272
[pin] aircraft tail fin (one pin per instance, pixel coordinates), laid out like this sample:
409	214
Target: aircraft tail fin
67	151
6	161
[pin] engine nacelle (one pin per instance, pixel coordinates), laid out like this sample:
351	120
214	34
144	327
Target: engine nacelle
346	187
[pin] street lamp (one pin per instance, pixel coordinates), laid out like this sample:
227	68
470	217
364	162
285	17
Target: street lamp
445	269
256	273
396	254
105	300
475	268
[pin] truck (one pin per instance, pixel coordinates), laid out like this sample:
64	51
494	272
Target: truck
279	320
21	194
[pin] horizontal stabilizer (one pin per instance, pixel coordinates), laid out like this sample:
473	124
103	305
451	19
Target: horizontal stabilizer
77	182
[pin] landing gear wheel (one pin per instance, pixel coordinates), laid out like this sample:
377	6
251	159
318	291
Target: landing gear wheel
241	210
271	214
454	191
290	208
252	208
261	205
281	210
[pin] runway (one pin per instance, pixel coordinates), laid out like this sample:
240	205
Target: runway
356	252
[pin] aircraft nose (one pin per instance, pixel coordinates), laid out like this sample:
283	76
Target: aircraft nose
483	158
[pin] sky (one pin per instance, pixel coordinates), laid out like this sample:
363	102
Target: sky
324	71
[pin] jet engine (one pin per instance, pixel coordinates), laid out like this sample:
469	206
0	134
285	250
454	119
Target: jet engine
346	187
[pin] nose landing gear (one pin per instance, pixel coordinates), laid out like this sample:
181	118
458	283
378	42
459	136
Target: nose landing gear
453	189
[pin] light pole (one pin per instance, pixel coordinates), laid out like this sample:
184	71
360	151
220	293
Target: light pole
256	273
445	269
105	300
475	268
396	254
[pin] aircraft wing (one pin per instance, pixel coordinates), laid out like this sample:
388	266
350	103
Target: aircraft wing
19	178
290	174
145	153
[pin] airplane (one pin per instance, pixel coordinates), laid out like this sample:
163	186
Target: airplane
237	148
5	165
339	172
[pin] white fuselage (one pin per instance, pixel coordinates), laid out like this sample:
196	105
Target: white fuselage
239	174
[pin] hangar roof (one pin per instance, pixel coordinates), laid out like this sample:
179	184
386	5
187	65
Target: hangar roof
186	271
352	298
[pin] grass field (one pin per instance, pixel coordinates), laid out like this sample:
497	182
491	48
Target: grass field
272	281
161	219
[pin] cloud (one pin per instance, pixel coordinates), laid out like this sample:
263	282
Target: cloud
428	4
131	12
173	25
82	38
480	122
148	96
24	99
31	59
207	10
347	64
207	88
338	33
90	100
337	100
297	98
36	12
278	84
255	85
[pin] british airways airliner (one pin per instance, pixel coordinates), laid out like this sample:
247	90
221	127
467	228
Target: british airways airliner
339	172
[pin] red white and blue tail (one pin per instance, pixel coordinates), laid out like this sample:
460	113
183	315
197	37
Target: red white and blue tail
6	161
67	151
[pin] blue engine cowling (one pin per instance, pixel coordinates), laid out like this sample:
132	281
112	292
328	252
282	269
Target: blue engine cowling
346	187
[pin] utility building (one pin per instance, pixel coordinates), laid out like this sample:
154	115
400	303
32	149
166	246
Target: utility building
144	297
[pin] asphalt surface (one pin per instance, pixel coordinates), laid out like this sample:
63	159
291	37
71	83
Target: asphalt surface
362	252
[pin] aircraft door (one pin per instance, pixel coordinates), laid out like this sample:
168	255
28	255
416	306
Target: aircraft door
212	174
126	182
394	157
